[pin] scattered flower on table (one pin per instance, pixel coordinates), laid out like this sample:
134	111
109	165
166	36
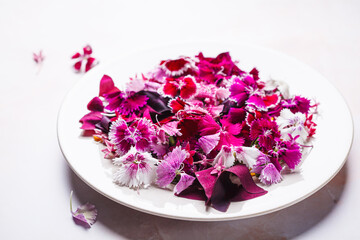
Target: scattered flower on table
202	127
85	215
84	61
38	57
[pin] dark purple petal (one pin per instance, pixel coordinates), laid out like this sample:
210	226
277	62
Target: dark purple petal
224	191
236	115
194	192
242	172
243	195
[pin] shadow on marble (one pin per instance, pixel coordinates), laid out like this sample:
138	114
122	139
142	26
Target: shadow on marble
284	224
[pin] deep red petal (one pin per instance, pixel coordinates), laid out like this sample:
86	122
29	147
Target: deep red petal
76	55
77	66
89	64
188	89
170	89
175	65
87	50
176	105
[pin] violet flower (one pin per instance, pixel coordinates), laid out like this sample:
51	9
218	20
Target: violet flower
170	167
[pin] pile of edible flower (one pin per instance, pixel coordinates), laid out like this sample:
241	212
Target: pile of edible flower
202	127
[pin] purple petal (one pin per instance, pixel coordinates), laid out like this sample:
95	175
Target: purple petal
85	215
209	142
207	181
185	181
270	175
224	191
193	192
165	174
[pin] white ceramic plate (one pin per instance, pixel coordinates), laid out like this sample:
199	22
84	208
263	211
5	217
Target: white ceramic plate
332	144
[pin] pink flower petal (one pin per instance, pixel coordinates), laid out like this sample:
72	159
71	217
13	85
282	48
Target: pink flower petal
184	182
85	215
270	175
209	142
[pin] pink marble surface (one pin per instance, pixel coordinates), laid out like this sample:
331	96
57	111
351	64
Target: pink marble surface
35	180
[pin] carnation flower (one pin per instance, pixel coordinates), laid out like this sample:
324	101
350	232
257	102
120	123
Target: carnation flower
172	166
268	172
138	134
292	124
265	131
135	169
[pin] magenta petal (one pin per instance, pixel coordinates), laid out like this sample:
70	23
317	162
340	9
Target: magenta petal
264	102
208	126
89	64
133	103
142	145
77	66
107	86
95	105
242	172
292	156
207	181
238	92
184	182
90	120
